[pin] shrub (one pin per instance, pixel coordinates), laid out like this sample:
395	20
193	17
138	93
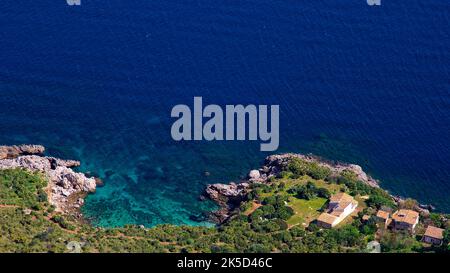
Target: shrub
324	193
368	228
398	242
62	222
309	191
245	206
408	204
259	248
270	200
281	224
379	199
300	167
284	212
285	175
347	236
19	187
42	196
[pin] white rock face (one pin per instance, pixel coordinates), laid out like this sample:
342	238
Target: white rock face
30	162
226	190
254	174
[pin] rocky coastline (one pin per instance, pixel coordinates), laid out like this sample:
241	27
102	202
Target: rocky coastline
229	196
66	188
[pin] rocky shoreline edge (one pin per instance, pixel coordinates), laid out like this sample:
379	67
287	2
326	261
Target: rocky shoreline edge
66	188
229	196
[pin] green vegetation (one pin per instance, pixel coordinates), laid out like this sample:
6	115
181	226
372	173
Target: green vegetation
447	238
399	242
309	191
377	197
19	188
306	211
278	217
306	207
369	227
301	167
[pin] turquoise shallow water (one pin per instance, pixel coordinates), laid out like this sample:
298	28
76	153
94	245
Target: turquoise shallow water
354	83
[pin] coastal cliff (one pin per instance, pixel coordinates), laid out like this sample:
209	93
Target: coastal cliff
66	188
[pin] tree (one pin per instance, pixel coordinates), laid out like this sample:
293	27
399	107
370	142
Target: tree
347	236
377	201
300	167
284	212
437	220
259	248
309	191
268	210
398	242
324	193
370	227
447	235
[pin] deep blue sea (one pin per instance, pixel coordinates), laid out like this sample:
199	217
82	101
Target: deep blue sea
356	83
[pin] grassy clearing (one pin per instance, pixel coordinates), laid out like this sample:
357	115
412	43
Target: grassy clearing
305	210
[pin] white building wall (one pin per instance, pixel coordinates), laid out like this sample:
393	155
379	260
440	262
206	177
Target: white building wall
347	211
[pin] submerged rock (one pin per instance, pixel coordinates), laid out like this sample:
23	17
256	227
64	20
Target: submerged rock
109	173
201	217
99	182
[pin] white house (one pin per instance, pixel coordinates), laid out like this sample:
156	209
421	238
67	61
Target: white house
341	205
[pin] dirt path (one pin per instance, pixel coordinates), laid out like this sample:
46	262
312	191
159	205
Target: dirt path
8	206
254	207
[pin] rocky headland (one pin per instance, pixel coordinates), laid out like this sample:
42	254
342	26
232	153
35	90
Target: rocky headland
66	188
229	196
15	151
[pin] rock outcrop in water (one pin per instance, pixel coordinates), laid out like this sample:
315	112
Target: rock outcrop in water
66	188
15	151
228	197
